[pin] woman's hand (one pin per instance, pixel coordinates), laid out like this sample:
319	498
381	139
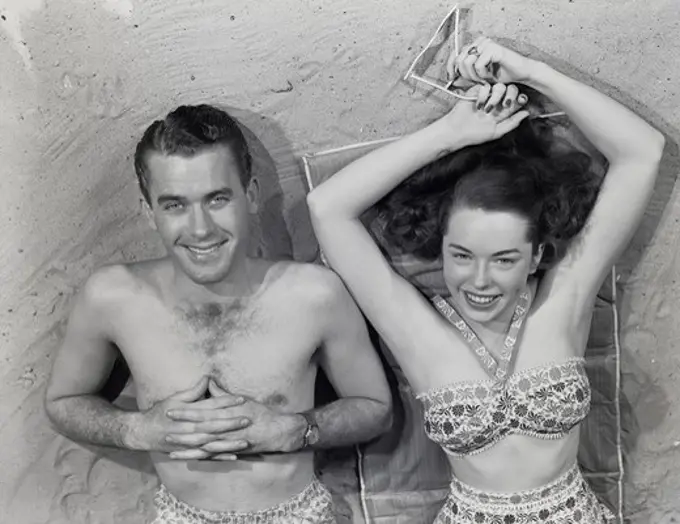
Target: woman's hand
495	112
486	61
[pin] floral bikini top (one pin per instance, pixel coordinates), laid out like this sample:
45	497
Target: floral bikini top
471	416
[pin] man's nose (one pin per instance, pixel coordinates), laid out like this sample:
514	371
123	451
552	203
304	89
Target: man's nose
201	223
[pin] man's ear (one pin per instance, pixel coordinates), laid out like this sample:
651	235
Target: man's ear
253	195
148	213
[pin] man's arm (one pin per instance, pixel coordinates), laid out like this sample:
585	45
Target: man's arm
81	367
364	409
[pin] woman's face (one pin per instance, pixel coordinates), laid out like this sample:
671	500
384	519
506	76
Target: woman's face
487	259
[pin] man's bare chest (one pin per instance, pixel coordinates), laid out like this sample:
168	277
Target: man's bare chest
250	348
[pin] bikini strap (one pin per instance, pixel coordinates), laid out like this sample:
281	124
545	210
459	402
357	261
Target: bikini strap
496	369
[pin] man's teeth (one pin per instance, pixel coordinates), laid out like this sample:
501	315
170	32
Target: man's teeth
204	250
480	299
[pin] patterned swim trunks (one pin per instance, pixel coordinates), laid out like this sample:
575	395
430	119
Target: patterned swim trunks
567	500
311	506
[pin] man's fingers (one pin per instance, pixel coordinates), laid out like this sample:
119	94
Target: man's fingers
194	393
223	426
224	456
225	446
216	390
192	440
210	404
189	454
220	425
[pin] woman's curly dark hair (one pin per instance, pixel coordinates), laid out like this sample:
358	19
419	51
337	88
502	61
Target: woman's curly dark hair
529	171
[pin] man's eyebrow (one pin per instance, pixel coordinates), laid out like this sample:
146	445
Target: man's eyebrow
222	191
169	198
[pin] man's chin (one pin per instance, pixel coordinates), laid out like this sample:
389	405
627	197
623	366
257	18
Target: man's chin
205	276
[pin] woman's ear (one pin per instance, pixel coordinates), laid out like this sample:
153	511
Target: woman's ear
536	258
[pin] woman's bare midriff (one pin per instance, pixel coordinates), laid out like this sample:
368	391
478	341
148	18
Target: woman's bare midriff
517	463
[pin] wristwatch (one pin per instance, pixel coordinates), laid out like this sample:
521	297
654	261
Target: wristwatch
311	436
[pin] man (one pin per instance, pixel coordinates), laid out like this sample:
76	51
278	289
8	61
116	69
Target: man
223	348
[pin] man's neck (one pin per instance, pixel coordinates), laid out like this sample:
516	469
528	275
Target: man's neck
244	280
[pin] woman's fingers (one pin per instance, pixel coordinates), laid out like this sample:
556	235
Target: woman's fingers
483	95
467	69
497	94
508	124
511	94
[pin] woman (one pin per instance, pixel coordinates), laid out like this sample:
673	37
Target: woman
499	364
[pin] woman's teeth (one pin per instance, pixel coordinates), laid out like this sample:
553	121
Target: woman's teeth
481	299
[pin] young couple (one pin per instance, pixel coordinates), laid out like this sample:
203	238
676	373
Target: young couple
224	348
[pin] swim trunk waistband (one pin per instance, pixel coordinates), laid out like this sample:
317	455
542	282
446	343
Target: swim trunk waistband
313	505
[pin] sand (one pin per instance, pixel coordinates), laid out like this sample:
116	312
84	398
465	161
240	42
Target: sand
81	80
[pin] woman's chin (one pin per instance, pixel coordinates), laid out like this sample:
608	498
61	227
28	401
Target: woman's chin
481	313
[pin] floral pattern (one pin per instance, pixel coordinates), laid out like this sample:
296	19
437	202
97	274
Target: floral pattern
544	402
567	500
312	506
471	416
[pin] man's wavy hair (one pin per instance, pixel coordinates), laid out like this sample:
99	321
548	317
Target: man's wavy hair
188	130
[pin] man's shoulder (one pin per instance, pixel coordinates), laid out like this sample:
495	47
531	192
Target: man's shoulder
312	283
115	282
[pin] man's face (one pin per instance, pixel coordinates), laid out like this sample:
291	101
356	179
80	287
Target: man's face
201	211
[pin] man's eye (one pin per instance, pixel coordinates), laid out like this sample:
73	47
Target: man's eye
221	199
172	206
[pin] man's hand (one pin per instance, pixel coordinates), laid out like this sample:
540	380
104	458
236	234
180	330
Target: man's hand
158	431
265	430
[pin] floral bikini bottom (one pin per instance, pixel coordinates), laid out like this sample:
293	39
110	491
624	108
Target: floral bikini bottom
567	500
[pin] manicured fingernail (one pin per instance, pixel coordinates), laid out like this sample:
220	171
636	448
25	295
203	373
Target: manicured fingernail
245	421
171	413
169	439
522	99
507	103
488	109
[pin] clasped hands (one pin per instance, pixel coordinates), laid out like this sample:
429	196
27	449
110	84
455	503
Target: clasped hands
189	426
493	72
